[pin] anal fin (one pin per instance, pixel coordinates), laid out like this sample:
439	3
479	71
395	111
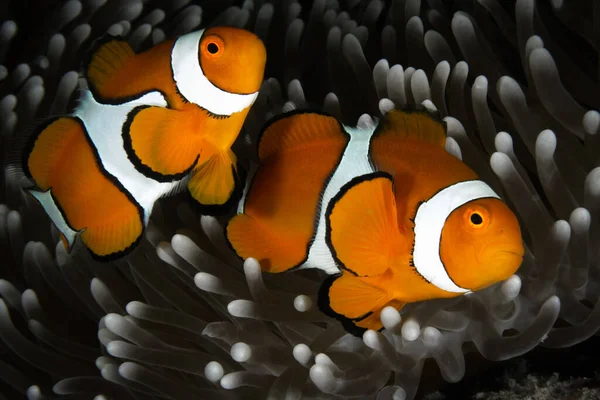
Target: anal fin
357	301
373	320
214	181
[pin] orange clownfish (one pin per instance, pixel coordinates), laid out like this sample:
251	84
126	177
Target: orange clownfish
148	124
386	211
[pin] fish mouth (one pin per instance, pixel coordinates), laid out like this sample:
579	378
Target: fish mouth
513	253
507	257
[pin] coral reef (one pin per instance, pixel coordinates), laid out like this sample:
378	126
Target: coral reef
517	84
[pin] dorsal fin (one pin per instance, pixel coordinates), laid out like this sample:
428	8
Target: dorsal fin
413	123
299	128
109	55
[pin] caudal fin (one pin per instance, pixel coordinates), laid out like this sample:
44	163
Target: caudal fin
64	166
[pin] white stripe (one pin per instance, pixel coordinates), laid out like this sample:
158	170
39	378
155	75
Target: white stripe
196	87
47	201
104	123
355	162
429	222
250	178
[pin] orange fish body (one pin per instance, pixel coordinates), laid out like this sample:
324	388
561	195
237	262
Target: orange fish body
149	124
387	212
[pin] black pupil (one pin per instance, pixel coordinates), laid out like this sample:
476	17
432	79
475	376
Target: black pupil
476	219
213	48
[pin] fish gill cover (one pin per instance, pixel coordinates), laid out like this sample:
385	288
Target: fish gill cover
517	84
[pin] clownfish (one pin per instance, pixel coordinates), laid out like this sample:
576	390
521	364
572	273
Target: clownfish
387	212
148	125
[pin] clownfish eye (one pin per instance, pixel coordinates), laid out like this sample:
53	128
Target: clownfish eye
212	48
476	219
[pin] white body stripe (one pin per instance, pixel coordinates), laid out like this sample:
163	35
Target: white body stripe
195	86
429	222
51	208
104	124
355	162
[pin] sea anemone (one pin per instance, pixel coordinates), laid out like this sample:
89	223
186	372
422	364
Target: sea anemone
182	317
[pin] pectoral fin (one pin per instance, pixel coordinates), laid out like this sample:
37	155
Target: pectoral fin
362	225
161	143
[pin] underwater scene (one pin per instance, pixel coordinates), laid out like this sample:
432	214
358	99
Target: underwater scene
284	199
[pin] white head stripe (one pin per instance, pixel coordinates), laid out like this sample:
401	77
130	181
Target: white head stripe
429	222
196	87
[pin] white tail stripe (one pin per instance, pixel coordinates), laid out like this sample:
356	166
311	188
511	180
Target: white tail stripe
47	201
